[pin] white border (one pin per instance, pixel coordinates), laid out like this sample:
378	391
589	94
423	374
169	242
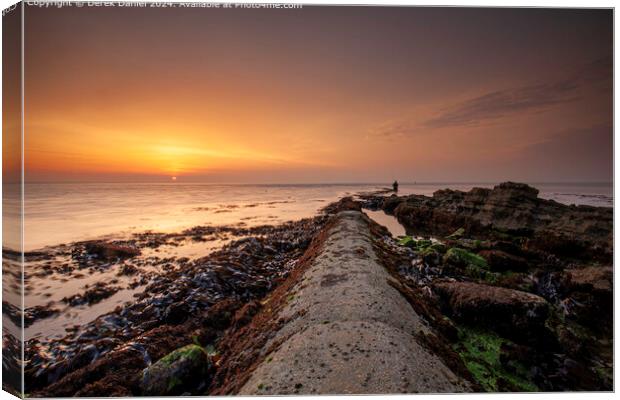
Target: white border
480	3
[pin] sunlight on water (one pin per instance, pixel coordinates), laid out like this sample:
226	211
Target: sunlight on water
63	213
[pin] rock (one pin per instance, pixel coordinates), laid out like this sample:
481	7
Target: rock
176	312
178	372
109	251
592	279
93	295
390	203
463	258
221	314
552	285
583	295
127	269
574	376
516	314
508	211
244	315
33	314
407	241
461	262
344	204
432	255
590	300
501	261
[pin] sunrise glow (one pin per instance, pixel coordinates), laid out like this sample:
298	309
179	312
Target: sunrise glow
457	105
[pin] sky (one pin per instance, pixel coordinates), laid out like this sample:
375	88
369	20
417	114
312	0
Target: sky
318	94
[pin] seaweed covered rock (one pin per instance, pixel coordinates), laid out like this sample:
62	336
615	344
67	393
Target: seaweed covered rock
590	298
178	372
109	251
516	314
502	261
593	279
390	203
463	258
510	211
497	364
468	264
584	295
344	204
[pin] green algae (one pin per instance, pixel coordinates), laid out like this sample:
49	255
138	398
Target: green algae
480	274
175	371
458	256
406	241
480	352
438	247
191	351
422	245
471	265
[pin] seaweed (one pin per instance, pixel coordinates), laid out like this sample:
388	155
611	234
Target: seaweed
480	351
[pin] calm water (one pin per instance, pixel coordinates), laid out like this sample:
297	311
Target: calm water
63	213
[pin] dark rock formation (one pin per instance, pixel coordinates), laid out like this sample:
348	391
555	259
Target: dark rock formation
499	260
513	313
176	373
510	210
109	251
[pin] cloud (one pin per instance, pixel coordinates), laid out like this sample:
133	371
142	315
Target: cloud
498	104
532	98
394	129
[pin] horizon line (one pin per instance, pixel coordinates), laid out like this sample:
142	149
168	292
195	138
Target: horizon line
388	183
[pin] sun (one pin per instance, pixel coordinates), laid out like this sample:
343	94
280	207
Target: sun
174	178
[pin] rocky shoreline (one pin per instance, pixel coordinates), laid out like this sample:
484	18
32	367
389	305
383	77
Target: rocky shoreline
516	293
524	285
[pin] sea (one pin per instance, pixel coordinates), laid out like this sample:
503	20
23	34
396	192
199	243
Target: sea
60	213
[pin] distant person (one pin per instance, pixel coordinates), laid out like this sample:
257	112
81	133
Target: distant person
395	186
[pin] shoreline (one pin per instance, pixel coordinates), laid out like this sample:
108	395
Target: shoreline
251	262
185	206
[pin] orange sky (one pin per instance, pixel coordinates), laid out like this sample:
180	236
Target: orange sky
321	94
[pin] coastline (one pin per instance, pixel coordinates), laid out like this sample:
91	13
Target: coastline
173	301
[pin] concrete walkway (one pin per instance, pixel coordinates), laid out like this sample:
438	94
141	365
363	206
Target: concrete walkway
355	332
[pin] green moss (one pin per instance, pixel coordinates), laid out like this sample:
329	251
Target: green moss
481	274
406	241
423	243
423	246
463	257
438	247
191	351
173	383
428	251
480	352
